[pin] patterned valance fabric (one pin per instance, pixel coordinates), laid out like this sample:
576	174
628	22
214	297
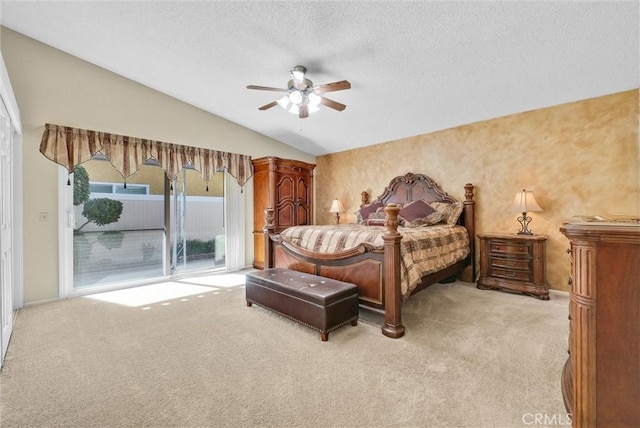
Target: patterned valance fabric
70	147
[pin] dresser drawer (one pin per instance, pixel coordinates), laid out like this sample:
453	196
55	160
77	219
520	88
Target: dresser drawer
516	275
504	263
512	248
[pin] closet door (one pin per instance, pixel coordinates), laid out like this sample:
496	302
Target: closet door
6	229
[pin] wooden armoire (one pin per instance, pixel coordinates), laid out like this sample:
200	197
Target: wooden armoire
286	186
601	378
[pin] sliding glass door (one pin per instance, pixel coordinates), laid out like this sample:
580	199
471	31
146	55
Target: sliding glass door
197	219
142	229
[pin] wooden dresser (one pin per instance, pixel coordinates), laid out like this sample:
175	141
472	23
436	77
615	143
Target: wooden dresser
286	186
601	378
514	263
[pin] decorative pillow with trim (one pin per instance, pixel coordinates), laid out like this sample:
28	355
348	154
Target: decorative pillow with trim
375	222
452	211
363	213
376	218
434	218
416	209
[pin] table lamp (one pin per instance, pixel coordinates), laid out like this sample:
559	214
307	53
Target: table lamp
524	202
336	208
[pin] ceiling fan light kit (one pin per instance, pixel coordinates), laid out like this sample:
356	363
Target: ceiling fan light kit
302	97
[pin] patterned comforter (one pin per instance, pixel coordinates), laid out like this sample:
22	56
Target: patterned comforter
423	250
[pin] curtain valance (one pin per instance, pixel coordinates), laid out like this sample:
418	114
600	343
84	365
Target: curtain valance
70	147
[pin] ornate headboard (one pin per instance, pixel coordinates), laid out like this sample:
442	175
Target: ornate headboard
412	187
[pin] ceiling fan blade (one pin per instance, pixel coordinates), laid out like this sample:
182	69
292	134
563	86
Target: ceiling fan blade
268	106
267	88
332	104
304	111
335	86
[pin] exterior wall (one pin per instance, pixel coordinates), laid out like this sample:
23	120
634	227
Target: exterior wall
142	212
52	86
102	170
579	158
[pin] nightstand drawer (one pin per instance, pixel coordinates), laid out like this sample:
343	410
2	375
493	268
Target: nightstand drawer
516	275
512	248
502	263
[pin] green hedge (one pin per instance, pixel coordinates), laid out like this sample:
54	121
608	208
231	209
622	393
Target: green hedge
197	246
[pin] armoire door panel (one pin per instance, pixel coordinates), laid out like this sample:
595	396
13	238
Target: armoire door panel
285	215
285	189
303	191
302	215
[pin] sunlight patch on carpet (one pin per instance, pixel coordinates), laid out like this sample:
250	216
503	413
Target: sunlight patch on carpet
149	294
218	280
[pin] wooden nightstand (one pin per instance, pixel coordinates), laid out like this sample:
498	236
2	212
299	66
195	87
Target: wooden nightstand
514	263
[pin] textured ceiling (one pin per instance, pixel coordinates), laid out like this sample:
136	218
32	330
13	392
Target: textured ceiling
415	67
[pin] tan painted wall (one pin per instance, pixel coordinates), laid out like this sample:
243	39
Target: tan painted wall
52	86
578	158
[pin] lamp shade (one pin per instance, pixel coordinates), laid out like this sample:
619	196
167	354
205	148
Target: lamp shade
336	206
524	202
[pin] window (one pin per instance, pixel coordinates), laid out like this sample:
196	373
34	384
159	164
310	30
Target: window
111	188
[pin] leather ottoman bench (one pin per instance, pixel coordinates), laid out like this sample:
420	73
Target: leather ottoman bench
322	304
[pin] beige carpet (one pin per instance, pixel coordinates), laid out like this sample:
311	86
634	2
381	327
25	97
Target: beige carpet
470	358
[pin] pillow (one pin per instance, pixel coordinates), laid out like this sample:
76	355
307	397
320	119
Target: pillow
363	213
416	209
376	218
433	218
452	211
375	222
380	214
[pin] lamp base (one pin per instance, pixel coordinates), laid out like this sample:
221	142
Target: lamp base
336	218
524	225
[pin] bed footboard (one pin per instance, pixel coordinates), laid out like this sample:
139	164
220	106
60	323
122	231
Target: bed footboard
375	271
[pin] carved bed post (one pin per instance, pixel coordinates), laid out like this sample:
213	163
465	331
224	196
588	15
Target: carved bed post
469	224
269	229
364	199
392	300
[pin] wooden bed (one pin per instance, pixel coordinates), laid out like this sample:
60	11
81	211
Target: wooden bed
376	270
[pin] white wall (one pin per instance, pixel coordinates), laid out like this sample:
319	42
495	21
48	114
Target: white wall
52	86
205	215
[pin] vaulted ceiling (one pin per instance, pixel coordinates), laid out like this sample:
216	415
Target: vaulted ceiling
414	67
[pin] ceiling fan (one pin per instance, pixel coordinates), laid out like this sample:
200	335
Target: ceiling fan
302	97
